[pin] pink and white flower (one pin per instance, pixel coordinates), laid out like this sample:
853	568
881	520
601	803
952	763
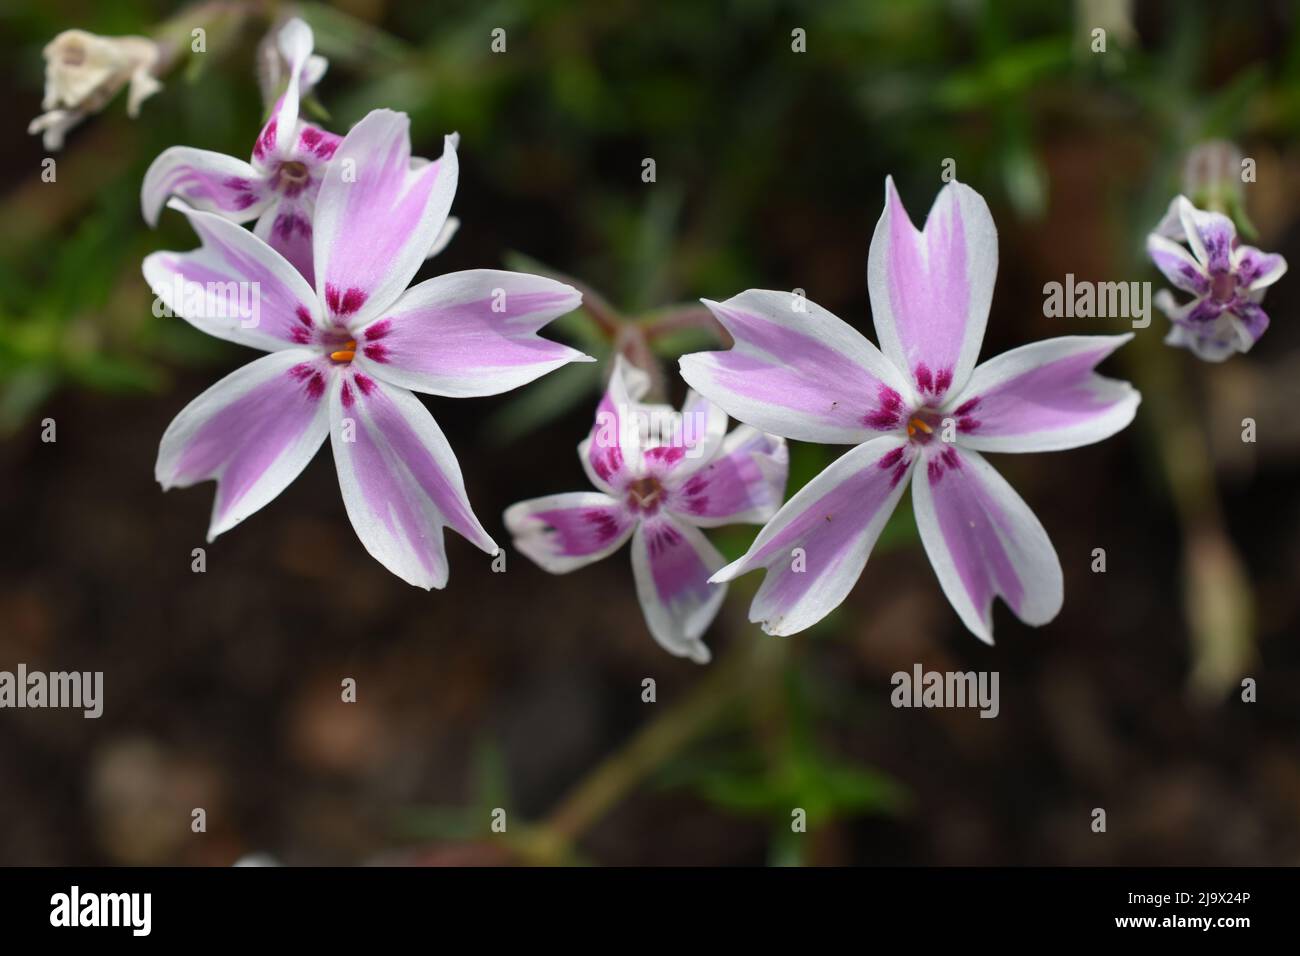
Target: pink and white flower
662	475
277	187
919	407
1226	279
345	355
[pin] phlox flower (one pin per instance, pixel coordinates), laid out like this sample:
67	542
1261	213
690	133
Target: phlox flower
1226	279
662	475
279	185
917	407
345	355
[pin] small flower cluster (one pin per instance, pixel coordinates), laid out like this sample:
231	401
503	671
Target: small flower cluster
342	226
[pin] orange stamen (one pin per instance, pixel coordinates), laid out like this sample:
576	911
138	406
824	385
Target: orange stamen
916	423
345	354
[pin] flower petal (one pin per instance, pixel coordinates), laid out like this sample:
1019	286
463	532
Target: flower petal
818	543
234	286
1210	234
285	226
744	483
206	180
252	432
1257	270
984	542
930	289
677	444
798	371
1178	265
400	479
671	563
611	453
469	334
1044	397
563	532
376	218
278	135
449	230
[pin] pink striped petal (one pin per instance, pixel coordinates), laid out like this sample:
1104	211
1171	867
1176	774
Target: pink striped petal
815	548
677	444
611	453
931	288
286	228
671	563
798	371
563	532
984	542
253	432
205	180
376	218
469	334
1044	397
400	479
745	482
314	146
234	286
280	132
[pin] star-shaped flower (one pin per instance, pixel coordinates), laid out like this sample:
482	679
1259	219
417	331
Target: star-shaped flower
918	409
345	355
662	476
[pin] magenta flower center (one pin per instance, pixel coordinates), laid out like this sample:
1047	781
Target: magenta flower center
645	495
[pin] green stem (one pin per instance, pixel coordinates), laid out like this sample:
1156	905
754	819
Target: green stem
686	720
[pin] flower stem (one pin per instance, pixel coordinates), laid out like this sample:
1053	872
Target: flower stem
752	663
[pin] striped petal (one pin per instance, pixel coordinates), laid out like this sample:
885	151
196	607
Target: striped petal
469	334
285	226
281	129
611	453
234	286
931	288
671	563
1044	397
376	217
816	546
1178	265
798	371
744	482
563	532
984	542
206	180
400	479
1210	234
253	432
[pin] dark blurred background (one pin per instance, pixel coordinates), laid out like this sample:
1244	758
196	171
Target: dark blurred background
523	691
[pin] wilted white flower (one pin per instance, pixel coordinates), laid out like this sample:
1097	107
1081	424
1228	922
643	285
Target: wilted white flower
84	71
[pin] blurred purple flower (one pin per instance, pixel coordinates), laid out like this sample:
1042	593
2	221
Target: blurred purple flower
798	371
662	476
1226	279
